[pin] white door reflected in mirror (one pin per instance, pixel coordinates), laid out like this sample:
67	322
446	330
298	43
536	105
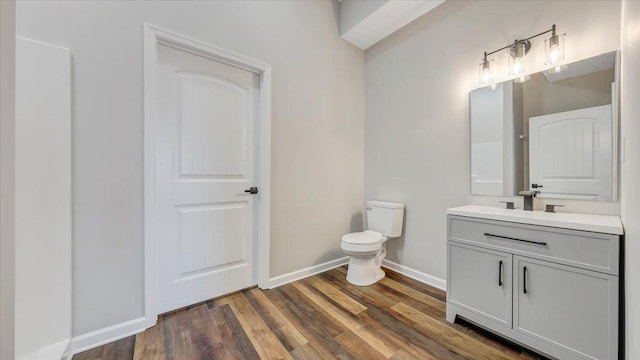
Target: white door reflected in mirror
570	153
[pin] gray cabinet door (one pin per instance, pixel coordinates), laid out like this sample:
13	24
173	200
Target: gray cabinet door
569	308
480	281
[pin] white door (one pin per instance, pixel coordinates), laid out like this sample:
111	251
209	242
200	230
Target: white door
206	229
571	153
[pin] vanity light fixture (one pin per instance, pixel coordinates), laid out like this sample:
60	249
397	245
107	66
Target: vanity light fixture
554	51
487	72
517	55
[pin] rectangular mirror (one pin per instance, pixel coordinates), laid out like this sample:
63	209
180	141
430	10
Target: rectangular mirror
556	133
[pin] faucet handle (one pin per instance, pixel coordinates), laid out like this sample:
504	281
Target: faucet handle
536	186
550	208
510	204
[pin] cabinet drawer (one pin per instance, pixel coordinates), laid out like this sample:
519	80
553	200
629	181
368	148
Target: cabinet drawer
588	250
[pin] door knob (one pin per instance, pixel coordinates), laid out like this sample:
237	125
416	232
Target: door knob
252	190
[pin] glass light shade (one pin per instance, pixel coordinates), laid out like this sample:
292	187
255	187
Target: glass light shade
558	68
487	72
554	50
517	56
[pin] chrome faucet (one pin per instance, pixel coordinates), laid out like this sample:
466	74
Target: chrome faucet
528	197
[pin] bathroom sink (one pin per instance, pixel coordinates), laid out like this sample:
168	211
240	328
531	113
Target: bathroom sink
586	222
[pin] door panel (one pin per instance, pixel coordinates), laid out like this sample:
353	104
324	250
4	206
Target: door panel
207	122
212	123
202	235
480	281
570	153
561	299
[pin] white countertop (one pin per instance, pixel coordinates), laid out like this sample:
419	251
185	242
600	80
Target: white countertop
607	224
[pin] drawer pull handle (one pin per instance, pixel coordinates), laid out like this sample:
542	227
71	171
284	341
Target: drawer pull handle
524	280
516	239
500	273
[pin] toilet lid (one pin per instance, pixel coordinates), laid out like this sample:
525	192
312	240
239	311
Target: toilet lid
363	238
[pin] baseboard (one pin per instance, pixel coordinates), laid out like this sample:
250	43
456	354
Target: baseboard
104	336
306	272
112	333
416	275
53	351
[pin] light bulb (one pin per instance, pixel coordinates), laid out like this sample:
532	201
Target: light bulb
517	58
554	49
517	67
487	72
554	55
486	76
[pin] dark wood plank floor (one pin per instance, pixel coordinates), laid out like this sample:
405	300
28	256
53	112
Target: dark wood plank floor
321	317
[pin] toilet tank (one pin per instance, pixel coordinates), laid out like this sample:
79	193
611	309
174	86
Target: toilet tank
385	217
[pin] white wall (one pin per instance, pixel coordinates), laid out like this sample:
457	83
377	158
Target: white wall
43	200
354	11
7	181
417	83
630	203
317	131
365	22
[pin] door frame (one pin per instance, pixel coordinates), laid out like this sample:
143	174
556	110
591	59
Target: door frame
154	36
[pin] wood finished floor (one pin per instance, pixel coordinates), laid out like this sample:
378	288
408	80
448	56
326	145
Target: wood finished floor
321	317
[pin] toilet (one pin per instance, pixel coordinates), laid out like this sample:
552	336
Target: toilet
367	249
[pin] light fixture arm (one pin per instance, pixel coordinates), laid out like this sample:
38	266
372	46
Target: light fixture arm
552	31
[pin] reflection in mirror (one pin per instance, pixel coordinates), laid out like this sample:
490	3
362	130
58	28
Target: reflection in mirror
555	131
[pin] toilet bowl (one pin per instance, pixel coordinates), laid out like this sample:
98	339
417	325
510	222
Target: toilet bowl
367	249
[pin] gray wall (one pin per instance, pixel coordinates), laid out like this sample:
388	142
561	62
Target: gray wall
317	131
630	204
7	181
542	97
417	83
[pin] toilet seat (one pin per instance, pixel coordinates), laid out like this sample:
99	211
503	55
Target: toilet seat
364	241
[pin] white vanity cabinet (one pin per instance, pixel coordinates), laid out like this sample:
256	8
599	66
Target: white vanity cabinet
552	289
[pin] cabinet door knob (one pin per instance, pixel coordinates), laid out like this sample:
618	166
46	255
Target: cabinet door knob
524	280
500	273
